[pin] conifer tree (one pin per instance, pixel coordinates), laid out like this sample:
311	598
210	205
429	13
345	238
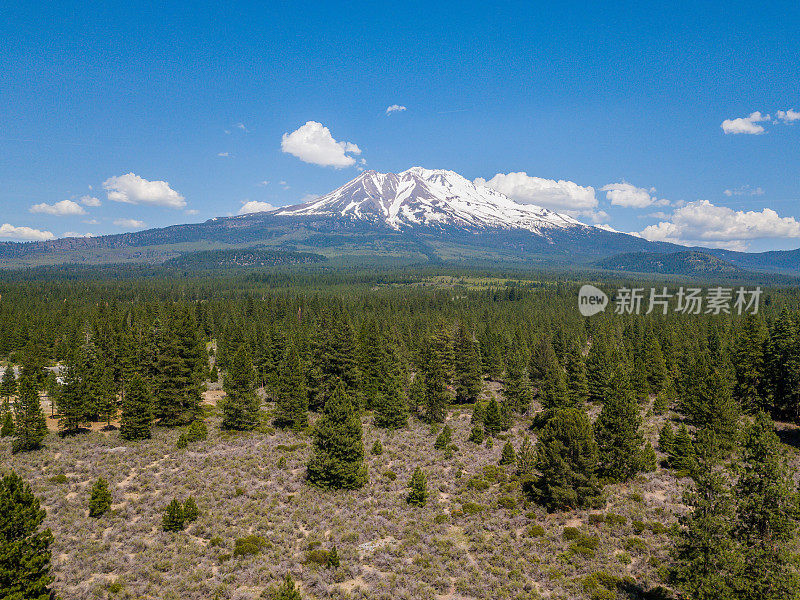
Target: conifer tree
526	458
577	383
137	410
7	428
666	439
436	396
391	408
8	387
649	458
377	448
418	488
508	455
174	519
468	375
782	360
767	517
30	426
444	439
617	432
553	392
708	401
99	499
334	354
190	510
24	550
73	402
417	392
517	391
704	556
655	367
495	419
566	459
477	434
286	591
749	364
240	407
338	453
599	371
292	392
682	456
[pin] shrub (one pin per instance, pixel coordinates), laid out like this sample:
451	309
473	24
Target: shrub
247	546
100	499
377	448
477	435
506	502
318	556
471	508
333	559
60	478
615	519
390	475
536	531
571	533
286	591
478	483
635	545
183	441
597	519
197	431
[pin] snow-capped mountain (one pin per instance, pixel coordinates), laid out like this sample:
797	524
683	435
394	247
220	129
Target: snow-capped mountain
429	198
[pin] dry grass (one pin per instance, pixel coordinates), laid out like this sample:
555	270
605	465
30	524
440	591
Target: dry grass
462	545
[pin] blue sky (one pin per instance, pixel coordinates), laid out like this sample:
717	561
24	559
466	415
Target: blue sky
170	114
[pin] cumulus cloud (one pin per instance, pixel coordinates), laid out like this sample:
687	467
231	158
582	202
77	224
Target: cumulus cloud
132	189
313	143
75	234
788	116
24	233
706	224
748	125
254	206
65	208
630	196
90	201
562	196
129	223
744	190
395	108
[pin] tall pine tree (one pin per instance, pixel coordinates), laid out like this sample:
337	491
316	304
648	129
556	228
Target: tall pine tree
30	426
137	410
241	404
617	431
292	392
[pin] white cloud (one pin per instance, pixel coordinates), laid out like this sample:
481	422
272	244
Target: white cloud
75	234
64	208
133	189
129	223
242	127
265	182
562	196
224	154
313	143
395	108
24	233
706	224
91	222
744	190
788	116
630	196
747	125
90	201
254	206
192	211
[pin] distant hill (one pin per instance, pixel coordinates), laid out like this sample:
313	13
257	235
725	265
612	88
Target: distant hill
690	263
238	258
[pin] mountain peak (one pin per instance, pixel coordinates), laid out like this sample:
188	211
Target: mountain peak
420	197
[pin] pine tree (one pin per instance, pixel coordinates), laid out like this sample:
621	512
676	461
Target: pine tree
749	364
553	392
190	510
436	396
617	432
526	458
137	410
377	448
417	393
655	367
666	439
682	456
577	383
418	488
334	359
477	434
391	408
24	550
708	401
704	557
286	591
495	419
333	561
517	391
292	392
599	372
7	428
767	517
174	519
782	359
649	458
444	439
468	375
566	459
8	387
338	456
30	426
508	455
100	499
240	407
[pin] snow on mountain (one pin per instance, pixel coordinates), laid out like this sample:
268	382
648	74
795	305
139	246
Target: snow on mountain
430	198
